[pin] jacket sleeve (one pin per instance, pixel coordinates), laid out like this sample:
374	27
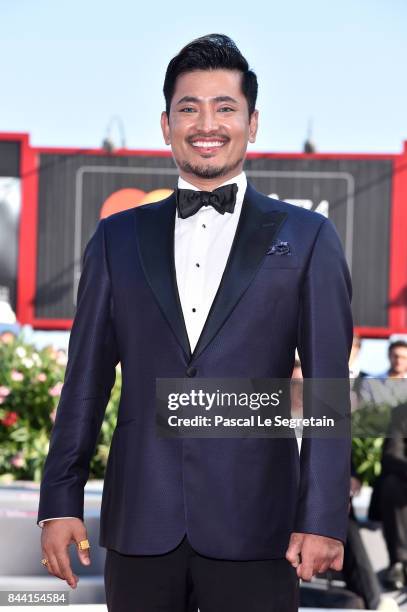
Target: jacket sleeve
325	335
89	377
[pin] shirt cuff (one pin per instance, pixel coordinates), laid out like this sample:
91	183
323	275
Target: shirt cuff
54	518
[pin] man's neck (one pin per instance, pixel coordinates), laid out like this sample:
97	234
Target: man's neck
208	184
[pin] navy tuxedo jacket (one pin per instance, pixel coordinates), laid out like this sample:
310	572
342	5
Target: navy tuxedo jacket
235	498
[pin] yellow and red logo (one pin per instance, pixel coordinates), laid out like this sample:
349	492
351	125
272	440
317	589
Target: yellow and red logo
128	198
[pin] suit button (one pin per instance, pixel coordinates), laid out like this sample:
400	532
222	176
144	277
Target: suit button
191	371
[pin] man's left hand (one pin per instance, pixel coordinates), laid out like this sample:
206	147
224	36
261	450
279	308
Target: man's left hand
314	554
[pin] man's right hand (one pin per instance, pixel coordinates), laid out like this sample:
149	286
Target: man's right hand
56	537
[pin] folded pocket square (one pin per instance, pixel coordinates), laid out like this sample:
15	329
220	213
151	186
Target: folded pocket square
279	248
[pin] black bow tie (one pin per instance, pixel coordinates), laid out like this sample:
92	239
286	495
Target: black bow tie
189	201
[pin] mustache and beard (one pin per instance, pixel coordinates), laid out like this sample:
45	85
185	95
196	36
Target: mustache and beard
207	171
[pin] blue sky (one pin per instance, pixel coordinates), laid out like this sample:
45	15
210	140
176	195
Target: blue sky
67	67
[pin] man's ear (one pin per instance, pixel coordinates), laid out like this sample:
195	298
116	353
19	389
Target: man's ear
165	128
253	125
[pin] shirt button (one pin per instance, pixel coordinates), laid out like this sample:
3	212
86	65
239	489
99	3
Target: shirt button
191	371
194	310
197	265
203	225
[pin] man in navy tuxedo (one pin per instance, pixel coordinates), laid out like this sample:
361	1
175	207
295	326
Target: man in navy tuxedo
217	280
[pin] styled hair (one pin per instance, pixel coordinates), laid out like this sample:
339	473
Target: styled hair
210	52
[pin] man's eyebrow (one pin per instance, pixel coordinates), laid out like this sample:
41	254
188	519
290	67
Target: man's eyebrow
195	100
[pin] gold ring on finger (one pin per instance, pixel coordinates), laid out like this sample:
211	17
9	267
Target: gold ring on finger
44	562
83	544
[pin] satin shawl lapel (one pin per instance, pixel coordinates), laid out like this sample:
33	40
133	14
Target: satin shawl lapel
155	236
258	225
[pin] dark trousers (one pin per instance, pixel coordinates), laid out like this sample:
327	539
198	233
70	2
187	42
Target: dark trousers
185	581
357	571
393	502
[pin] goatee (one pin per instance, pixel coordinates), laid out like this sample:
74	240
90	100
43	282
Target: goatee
208	172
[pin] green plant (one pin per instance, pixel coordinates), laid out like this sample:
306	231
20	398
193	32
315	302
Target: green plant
369	426
367	454
30	386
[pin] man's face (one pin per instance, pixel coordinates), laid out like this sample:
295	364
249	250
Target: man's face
209	126
398	360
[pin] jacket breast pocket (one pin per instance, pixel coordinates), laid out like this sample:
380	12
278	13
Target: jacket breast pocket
280	262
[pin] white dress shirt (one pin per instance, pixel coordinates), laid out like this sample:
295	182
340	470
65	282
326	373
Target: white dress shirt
202	244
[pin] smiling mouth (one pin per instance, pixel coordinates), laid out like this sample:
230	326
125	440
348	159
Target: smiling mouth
207	146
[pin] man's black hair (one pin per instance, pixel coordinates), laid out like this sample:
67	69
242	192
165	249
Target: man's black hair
210	52
397	344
